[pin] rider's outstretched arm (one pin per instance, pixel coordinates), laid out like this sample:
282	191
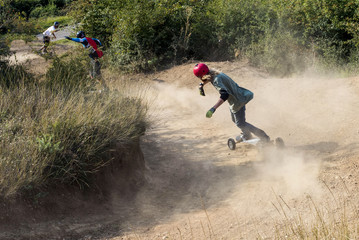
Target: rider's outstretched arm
80	40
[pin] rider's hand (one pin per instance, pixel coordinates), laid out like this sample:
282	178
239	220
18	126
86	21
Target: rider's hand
201	90
210	112
68	38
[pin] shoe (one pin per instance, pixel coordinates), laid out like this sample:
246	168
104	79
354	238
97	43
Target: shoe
265	139
265	142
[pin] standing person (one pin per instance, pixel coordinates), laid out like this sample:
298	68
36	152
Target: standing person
46	36
236	96
95	54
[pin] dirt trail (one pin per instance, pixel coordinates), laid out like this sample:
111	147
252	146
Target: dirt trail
197	188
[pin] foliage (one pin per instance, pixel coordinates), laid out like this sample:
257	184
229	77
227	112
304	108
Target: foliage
13	22
97	18
44	11
68	75
47	137
14	76
4	48
26	7
144	35
280	54
15	14
151	34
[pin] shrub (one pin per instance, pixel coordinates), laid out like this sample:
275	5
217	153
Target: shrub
14	76
152	34
145	35
97	18
68	75
24	6
20	25
44	11
279	54
58	132
50	138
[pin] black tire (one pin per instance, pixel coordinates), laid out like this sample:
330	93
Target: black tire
279	142
231	144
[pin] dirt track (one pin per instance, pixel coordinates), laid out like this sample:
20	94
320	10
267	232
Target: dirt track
198	189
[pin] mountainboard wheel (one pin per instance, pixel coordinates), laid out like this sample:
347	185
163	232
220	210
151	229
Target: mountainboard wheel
279	143
231	144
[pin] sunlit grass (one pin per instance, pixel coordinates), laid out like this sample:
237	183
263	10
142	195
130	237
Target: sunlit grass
61	131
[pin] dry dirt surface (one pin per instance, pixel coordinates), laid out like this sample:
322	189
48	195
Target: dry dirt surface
199	189
196	188
28	55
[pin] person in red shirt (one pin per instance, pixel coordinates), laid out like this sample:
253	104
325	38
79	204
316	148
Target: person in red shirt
94	53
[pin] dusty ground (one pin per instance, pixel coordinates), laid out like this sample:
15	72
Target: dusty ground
196	188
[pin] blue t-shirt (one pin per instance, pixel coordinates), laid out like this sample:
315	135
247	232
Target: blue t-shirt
85	43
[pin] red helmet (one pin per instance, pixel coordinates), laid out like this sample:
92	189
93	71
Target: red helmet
200	70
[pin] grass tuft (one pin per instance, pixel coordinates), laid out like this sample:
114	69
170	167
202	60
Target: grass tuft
49	135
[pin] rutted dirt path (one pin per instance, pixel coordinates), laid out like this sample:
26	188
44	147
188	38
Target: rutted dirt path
199	189
196	188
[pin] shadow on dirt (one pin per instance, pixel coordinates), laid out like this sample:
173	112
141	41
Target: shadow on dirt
182	176
329	151
321	147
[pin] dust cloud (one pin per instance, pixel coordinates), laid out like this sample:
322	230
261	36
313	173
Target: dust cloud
288	171
189	161
189	166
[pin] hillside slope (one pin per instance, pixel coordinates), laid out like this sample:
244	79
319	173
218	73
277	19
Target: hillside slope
196	188
199	189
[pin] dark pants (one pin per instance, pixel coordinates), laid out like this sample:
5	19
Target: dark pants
46	40
95	65
95	71
239	118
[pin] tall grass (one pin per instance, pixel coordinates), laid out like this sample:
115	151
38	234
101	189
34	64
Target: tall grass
63	137
69	75
336	219
14	76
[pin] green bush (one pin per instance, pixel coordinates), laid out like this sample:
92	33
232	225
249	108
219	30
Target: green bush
145	35
26	7
49	138
20	25
4	48
152	34
279	54
44	11
98	18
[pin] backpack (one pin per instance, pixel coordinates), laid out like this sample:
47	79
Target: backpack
94	46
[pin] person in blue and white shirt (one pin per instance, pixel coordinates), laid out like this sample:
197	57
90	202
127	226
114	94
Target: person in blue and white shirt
46	36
